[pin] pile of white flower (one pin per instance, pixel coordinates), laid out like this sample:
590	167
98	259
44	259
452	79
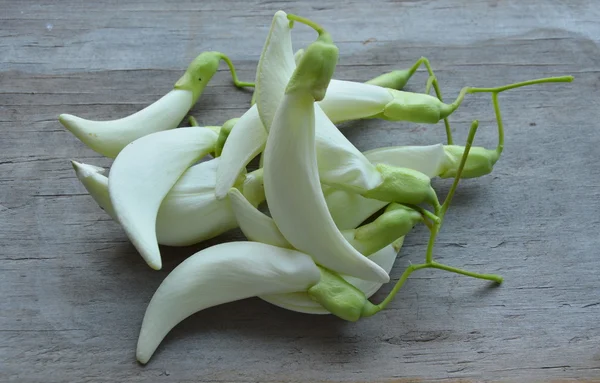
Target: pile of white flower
313	254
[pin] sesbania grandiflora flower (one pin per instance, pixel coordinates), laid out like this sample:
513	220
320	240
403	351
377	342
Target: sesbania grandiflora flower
143	174
110	137
372	240
219	274
268	268
291	178
340	163
190	212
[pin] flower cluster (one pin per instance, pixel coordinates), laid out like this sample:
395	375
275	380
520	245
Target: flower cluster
314	253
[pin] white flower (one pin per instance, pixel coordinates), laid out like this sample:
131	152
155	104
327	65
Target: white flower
291	179
110	137
190	212
143	174
219	274
258	227
340	164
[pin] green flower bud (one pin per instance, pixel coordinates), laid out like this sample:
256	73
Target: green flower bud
480	161
397	221
315	69
415	107
199	73
223	134
395	79
403	185
339	297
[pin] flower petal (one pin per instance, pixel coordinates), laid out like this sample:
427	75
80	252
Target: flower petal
384	258
229	272
294	195
429	159
191	212
349	100
258	227
340	163
110	137
255	225
96	183
142	175
426	159
275	67
245	141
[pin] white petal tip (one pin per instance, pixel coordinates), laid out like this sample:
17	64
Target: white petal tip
155	264
142	357
221	191
84	170
70	122
385	278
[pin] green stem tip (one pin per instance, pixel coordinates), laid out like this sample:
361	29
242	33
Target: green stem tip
238	83
306	21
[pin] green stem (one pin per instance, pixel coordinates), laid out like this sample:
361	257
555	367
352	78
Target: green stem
239	84
471	90
409	270
432	81
426	213
438	93
193	121
520	84
431	243
459	171
500	146
320	30
489	277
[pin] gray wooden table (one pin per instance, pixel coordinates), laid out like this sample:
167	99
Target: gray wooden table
73	290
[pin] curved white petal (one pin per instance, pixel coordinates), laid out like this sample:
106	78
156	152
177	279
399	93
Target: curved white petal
426	159
110	137
384	258
96	183
220	274
349	100
275	67
142	175
301	302
348	209
258	227
255	225
293	192
191	213
245	141
340	163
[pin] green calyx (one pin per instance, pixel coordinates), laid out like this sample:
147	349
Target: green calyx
480	161
339	297
200	72
397	221
314	71
253	187
396	79
316	65
415	107
403	185
223	134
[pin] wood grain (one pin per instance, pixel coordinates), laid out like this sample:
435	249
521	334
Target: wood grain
73	290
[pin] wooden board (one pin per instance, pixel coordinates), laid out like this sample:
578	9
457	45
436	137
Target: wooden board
73	290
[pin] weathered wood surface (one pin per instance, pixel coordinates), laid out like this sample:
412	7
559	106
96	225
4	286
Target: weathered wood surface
73	290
